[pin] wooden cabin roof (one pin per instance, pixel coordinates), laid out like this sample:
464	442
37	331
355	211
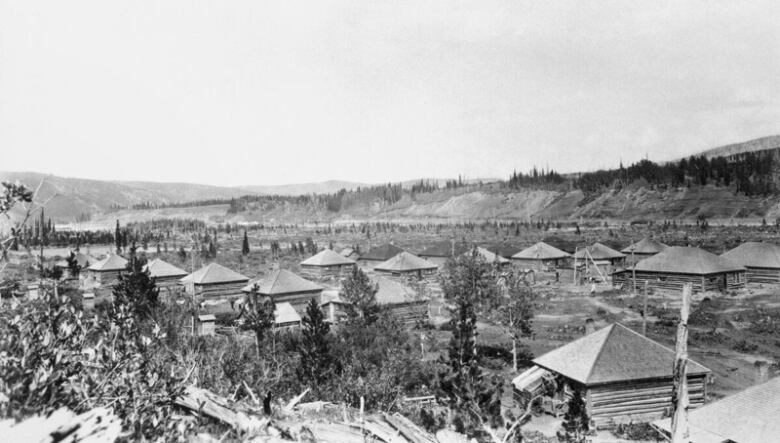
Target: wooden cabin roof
214	273
391	292
382	252
505	250
749	416
491	257
444	249
541	251
285	313
687	260
645	246
755	255
113	262
159	269
282	281
327	257
405	262
613	354
598	251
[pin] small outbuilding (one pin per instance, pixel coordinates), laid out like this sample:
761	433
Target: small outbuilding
286	317
762	261
327	264
678	265
408	265
205	324
105	272
623	376
214	282
749	416
541	256
284	286
379	254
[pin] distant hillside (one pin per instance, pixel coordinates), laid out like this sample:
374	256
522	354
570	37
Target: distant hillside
327	187
758	144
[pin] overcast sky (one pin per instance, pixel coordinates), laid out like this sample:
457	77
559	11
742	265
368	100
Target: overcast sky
254	92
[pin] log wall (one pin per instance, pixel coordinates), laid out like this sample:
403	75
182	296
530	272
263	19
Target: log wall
326	272
763	275
614	403
675	282
297	299
409	313
217	291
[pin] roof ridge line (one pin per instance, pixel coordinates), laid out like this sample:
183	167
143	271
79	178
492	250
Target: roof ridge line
601	350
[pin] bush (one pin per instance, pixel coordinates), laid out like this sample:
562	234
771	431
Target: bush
637	431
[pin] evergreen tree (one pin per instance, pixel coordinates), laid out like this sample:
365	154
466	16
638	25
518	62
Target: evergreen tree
182	254
212	250
118	238
316	361
575	421
258	313
245	245
360	295
73	265
136	290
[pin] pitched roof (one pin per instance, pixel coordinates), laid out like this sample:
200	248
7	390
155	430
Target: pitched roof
82	259
113	262
491	257
405	262
346	252
392	292
327	257
504	250
382	252
444	249
159	268
687	260
613	354
645	246
599	251
285	313
755	255
540	251
214	273
282	281
749	416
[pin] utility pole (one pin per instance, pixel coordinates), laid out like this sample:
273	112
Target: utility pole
680	388
644	311
575	266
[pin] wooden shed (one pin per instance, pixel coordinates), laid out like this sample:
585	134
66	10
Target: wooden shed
327	264
647	247
541	256
440	252
105	272
379	254
602	257
284	286
286	317
762	261
407	265
205	324
678	265
214	282
623	376
749	416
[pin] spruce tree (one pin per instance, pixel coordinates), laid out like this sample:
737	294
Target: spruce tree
360	295
576	420
118	238
258	313
316	360
73	265
245	245
136	289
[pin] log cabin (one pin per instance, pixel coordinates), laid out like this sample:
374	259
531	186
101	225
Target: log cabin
406	265
104	273
214	282
164	273
284	286
492	258
647	247
541	256
677	265
397	300
83	260
379	254
749	416
762	261
327	264
622	375
601	256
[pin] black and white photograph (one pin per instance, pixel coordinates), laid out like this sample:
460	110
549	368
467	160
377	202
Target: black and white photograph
390	221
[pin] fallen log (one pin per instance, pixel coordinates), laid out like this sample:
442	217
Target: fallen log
201	401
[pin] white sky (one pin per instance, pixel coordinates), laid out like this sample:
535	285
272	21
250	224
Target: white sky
253	92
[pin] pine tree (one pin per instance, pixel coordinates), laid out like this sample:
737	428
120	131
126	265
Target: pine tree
258	314
118	238
316	361
575	421
73	265
245	245
360	295
212	250
136	289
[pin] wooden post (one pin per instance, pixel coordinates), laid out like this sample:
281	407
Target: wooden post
644	311
575	265
633	268
680	388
